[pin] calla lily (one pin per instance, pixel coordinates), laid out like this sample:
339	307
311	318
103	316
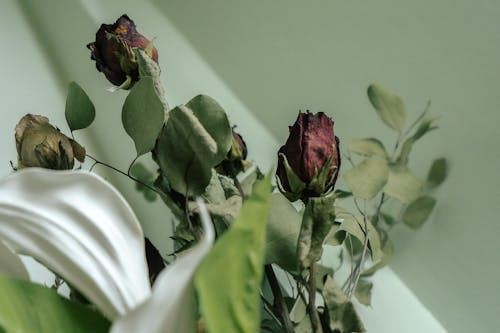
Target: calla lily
81	228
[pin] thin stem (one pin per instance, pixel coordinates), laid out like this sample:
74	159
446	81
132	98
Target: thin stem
279	301
267	307
313	312
427	106
131	164
363	254
238	186
97	162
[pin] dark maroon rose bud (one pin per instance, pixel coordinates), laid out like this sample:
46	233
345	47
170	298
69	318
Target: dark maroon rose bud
309	162
113	51
235	160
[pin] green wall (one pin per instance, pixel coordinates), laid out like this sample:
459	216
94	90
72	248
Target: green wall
279	56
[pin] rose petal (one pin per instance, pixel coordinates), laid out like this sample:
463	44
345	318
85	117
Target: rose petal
81	228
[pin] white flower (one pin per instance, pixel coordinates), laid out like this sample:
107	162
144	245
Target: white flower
81	228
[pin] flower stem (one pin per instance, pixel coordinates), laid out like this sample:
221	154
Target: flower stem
279	301
313	312
97	162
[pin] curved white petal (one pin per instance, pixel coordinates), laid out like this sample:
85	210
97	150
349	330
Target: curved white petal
172	306
80	227
11	264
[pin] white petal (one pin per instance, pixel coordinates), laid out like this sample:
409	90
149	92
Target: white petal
81	228
11	265
172	306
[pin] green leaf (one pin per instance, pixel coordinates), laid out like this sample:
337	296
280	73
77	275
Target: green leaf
317	221
192	142
437	173
282	233
418	211
142	115
228	281
341	312
363	292
388	105
354	225
79	112
387	250
367	147
367	178
140	172
28	307
298	311
402	184
424	127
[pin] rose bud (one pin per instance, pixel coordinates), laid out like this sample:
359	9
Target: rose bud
113	51
40	144
235	160
309	162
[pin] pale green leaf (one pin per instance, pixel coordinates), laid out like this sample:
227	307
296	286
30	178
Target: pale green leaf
282	233
341	312
28	307
367	147
437	173
142	115
79	112
298	311
418	211
228	281
363	292
402	184
367	178
192	142
388	105
387	250
317	221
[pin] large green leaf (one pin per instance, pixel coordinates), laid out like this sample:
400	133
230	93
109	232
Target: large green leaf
192	142
367	147
388	105
418	211
80	112
228	281
402	184
142	115
437	173
282	233
28	307
318	219
367	178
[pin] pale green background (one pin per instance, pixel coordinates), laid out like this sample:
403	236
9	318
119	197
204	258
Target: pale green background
274	57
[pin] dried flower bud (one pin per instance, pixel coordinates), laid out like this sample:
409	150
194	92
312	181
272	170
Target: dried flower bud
235	160
39	144
309	162
113	51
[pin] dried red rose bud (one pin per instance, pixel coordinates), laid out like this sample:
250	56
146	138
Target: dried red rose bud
113	51
235	160
309	162
40	144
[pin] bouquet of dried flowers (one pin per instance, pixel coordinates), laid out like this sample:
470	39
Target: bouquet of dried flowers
248	254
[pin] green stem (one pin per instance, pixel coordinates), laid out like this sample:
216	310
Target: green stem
97	162
313	312
279	301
